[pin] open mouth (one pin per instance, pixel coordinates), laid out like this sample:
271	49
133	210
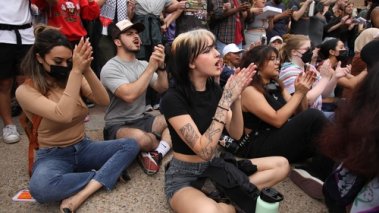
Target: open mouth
219	64
136	42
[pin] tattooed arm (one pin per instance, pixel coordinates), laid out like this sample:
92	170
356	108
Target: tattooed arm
204	145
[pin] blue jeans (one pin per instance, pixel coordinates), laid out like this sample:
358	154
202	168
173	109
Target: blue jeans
59	173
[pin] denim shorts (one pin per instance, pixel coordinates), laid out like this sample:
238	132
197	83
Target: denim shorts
180	174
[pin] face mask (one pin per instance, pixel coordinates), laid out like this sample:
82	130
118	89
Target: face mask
60	73
307	56
343	55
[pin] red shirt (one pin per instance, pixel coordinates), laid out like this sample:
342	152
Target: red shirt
68	14
238	37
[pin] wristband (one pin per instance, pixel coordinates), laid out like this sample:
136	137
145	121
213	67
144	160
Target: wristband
217	120
221	107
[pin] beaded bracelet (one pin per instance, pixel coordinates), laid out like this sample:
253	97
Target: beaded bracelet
217	120
221	107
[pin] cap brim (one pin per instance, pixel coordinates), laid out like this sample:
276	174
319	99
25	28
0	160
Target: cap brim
137	26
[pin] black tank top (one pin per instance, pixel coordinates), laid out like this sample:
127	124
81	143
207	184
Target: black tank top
276	100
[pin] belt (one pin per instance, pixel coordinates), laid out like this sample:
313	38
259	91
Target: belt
11	27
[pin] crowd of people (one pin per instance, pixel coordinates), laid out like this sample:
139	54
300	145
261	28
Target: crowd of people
295	92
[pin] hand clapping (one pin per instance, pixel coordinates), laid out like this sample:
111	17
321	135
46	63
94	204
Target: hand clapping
82	56
238	82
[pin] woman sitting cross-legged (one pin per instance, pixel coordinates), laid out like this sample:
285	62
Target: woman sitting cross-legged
280	124
197	111
69	166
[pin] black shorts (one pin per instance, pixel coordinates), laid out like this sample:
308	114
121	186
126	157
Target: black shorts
145	123
11	56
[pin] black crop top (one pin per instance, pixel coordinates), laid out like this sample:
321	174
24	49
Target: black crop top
276	101
204	107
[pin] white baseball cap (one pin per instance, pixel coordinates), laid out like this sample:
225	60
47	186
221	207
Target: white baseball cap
231	48
276	38
123	26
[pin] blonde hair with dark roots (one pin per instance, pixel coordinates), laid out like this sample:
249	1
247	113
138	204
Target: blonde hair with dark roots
46	38
184	50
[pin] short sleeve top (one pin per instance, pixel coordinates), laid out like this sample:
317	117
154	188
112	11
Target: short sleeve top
201	111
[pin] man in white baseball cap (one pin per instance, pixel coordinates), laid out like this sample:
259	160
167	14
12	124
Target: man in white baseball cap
232	57
276	42
231	48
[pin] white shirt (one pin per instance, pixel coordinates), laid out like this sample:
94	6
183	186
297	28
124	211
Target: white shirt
16	12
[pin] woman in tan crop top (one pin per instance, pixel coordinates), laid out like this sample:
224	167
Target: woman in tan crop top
69	167
197	111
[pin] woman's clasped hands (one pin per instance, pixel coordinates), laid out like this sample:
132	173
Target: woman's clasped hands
82	56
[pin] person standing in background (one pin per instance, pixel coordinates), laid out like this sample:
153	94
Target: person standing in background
68	15
228	17
16	37
281	21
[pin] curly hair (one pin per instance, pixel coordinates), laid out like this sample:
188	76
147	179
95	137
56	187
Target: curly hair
354	138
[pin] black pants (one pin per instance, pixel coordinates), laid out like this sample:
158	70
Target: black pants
295	140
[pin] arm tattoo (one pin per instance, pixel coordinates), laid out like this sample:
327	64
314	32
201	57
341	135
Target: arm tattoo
220	114
208	150
189	134
227	95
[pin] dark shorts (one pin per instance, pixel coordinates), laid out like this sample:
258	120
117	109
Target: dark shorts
145	123
11	56
180	174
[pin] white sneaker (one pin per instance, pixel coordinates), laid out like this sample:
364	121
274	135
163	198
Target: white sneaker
10	134
148	108
156	106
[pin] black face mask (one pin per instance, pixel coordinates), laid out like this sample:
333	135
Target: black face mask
60	73
343	55
307	56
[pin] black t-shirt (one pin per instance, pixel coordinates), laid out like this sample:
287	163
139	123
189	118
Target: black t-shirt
300	26
202	110
276	101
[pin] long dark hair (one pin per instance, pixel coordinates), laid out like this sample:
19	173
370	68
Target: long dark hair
326	46
354	137
259	56
184	50
46	38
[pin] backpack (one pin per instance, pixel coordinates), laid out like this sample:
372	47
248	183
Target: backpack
30	127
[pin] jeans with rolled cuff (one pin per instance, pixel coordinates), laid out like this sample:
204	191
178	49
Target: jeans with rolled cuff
60	172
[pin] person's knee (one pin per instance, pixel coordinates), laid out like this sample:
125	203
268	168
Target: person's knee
147	142
40	186
283	165
213	207
315	116
131	146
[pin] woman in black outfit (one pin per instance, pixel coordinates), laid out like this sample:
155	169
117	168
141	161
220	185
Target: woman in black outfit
270	113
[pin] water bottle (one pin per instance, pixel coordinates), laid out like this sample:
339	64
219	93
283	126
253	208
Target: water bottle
268	201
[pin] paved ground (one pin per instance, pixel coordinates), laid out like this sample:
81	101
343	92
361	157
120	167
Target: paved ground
142	194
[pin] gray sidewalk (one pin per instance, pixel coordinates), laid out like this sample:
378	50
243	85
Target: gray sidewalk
142	194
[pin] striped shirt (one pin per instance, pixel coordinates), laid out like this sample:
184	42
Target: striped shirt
288	74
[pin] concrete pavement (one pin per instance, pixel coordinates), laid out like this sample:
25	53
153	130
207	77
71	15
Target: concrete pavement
142	194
